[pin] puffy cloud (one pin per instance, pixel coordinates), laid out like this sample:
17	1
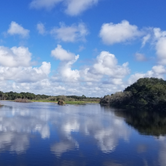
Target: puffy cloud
14	57
33	74
25	74
15	65
18	74
134	77
157	71
158	33
140	57
16	29
48	4
145	39
68	58
75	7
161	50
116	33
157	39
105	70
70	33
62	54
106	64
67	73
41	29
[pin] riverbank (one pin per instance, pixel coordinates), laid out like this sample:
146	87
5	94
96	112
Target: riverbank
67	102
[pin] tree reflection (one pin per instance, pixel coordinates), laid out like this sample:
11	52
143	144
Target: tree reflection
146	122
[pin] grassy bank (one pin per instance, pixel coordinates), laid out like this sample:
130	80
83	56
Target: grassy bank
75	102
67	102
44	100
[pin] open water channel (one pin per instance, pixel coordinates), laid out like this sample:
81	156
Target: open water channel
46	134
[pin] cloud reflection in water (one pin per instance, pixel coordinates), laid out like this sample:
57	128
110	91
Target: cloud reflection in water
19	121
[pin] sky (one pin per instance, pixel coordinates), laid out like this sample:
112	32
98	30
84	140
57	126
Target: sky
80	47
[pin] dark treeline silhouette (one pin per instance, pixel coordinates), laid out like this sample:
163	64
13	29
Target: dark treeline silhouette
147	123
145	94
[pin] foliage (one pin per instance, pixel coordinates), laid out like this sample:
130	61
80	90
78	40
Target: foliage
22	100
117	99
45	98
146	93
61	102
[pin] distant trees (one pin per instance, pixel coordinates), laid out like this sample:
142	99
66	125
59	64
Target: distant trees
23	95
31	96
146	93
117	99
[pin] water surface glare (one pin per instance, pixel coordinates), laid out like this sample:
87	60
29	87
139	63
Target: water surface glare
47	134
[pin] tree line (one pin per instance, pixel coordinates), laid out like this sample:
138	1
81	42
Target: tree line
23	95
31	96
146	94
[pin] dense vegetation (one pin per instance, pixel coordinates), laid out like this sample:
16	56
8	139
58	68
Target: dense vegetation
23	95
146	94
32	97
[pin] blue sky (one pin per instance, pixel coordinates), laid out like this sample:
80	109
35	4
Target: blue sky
71	47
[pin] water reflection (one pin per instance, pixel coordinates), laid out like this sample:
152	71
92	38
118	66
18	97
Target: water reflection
13	141
18	121
162	152
148	123
49	134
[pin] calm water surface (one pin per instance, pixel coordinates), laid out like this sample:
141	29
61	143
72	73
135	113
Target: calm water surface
46	134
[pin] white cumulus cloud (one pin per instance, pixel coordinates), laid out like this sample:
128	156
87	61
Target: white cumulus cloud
72	7
111	33
62	54
70	33
75	7
67	73
161	50
15	65
68	59
25	74
15	56
16	29
106	64
157	71
145	39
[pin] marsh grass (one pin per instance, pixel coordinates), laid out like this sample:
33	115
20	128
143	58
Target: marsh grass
43	100
22	100
76	102
68	102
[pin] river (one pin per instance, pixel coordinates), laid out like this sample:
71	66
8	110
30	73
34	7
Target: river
46	134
